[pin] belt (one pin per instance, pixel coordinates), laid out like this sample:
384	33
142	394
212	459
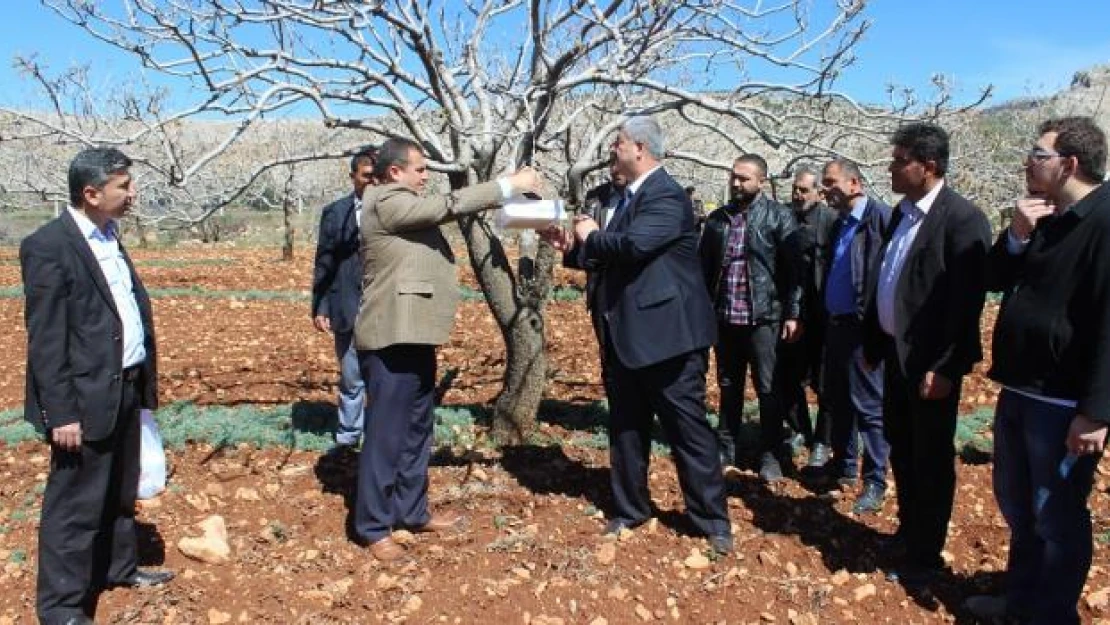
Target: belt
839	320
132	373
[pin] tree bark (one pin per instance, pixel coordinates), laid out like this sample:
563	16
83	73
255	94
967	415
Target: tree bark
287	216
517	304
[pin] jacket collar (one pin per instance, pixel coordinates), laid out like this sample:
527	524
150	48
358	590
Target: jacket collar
79	241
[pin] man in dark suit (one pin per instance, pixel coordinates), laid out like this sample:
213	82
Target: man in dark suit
923	323
852	393
90	369
336	289
657	325
798	364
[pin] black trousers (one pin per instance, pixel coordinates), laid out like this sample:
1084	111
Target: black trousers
737	348
397	439
799	365
921	434
673	390
854	399
87	534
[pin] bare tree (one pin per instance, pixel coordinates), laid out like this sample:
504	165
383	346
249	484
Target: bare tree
487	85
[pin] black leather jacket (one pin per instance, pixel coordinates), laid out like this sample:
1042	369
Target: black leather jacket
774	258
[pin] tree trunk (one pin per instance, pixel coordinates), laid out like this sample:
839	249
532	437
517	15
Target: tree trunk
517	306
287	217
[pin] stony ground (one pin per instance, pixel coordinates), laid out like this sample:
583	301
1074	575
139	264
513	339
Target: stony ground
529	551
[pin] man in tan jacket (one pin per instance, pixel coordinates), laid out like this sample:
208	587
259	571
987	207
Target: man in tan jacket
409	297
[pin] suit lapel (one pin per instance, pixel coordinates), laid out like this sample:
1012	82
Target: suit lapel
933	219
85	254
629	210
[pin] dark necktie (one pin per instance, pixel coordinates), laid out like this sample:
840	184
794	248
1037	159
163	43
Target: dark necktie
621	203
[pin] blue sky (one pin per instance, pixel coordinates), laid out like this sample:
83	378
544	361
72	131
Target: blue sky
1023	48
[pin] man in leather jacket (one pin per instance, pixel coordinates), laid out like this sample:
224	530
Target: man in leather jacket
751	260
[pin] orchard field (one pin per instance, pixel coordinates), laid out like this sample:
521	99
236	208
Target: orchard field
248	392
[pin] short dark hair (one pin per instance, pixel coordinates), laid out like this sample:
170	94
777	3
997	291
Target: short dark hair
925	142
754	159
393	152
368	153
1082	138
846	167
91	168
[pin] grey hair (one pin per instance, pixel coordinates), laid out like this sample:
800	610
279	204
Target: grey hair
807	170
92	167
646	130
847	167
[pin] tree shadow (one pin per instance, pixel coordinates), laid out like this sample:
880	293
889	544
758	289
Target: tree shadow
314	417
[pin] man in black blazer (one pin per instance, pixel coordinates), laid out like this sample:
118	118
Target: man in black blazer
90	369
336	289
657	325
923	323
852	392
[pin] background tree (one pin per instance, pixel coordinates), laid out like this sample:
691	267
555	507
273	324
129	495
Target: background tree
487	85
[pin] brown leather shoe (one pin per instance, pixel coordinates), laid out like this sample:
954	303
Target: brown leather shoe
440	522
386	549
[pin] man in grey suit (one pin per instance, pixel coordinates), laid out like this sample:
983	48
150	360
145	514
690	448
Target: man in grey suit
336	290
410	294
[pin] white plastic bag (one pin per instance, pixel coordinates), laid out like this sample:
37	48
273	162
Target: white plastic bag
152	457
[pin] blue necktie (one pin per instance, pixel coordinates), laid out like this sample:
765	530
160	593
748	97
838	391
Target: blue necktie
621	203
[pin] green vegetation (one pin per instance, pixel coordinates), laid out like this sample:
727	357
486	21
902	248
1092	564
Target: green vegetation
309	425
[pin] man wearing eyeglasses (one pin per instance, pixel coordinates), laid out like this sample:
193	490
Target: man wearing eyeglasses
923	325
1052	358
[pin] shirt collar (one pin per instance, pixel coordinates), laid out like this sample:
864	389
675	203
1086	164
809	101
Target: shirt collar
859	205
89	229
632	188
923	205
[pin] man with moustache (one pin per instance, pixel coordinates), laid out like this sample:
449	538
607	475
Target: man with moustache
1052	357
923	325
410	294
852	392
799	363
657	326
751	260
91	367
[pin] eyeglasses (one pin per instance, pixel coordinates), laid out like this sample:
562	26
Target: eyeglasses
1038	154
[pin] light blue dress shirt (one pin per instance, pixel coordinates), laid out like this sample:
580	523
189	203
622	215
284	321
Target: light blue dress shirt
105	247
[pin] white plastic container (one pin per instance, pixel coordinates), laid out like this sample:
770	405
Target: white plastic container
521	213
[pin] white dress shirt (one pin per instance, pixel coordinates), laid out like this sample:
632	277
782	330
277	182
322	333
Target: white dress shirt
913	213
105	247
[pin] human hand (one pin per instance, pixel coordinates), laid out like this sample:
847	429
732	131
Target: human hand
583	227
559	238
321	323
1027	211
935	386
67	437
1086	436
792	330
525	180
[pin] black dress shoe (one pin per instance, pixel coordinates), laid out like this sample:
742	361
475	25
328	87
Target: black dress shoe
614	527
871	500
146	578
76	620
721	544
